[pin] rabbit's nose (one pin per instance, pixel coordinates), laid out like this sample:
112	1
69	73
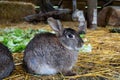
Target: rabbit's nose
80	43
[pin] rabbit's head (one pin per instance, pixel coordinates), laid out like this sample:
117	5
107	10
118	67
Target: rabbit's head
68	37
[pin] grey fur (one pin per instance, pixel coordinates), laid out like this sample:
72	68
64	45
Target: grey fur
57	51
6	62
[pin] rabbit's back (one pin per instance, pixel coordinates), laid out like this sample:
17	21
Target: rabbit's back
42	41
6	61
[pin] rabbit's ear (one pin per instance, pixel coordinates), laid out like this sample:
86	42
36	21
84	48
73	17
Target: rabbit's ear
55	25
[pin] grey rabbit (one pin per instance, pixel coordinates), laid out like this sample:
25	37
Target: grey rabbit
6	62
48	53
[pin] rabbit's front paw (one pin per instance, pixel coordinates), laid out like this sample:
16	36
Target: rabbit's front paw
69	73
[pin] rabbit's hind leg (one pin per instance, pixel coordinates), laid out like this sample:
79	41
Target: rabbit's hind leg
45	69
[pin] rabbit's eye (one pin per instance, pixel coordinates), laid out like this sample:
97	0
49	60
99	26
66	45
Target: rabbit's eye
70	36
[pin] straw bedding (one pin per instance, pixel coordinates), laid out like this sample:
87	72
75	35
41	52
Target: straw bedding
103	63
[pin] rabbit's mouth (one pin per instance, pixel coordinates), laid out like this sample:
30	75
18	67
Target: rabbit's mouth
72	48
77	48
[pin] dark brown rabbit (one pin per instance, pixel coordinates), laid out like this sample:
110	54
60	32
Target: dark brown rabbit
49	53
6	62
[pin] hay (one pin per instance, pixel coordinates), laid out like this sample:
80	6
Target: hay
15	11
31	1
103	63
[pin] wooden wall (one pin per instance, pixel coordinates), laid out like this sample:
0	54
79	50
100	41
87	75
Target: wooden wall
68	3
